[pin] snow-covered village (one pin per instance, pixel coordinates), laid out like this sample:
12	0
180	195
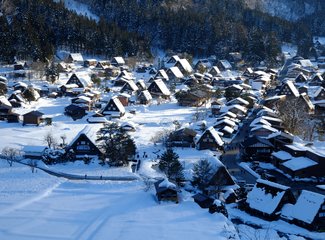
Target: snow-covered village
170	145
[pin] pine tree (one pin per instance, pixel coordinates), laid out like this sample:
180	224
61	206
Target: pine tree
117	145
170	165
202	174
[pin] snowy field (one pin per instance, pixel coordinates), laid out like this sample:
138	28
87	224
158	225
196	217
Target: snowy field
37	206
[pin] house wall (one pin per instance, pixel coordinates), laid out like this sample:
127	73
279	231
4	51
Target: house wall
31	120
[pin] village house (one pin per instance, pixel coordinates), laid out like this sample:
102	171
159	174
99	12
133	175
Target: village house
33	117
183	137
74	58
5	108
289	89
223	65
256	148
301	78
84	144
90	63
319	94
267	199
129	87
118	61
34	152
141	85
184	66
161	74
159	89
307	212
214	71
316	80
174	75
172	61
210	139
82	81
75	111
114	108
166	191
144	97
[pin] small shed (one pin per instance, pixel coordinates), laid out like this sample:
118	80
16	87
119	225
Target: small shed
166	191
33	117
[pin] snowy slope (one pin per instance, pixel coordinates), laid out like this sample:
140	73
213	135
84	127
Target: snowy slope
79	8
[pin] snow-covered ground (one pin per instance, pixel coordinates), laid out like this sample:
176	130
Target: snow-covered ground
38	206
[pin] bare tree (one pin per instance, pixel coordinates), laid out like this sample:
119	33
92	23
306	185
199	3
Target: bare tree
50	140
10	154
63	138
295	116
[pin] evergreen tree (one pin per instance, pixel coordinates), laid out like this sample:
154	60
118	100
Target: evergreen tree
202	174
117	145
170	165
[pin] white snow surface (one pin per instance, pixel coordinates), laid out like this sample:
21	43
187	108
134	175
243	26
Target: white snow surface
37	206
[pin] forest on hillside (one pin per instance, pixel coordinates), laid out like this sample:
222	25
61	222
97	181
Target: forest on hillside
35	28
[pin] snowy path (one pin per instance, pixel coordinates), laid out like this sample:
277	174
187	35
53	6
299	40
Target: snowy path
88	210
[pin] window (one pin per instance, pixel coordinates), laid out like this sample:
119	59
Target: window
83	147
322	214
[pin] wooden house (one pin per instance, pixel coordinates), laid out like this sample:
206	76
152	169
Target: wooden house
262	130
214	71
249	73
34	152
84	144
166	191
172	60
215	107
33	117
202	64
90	63
203	200
75	111
83	81
301	167
161	74
301	78
210	139
289	89
221	179
267	199
74	58
129	87
159	89
124	98
306	104
118	61
224	65
5	108
280	139
102	65
316	80
141	85
256	148
307	212
174	74
114	108
144	97
184	66
183	137
319	94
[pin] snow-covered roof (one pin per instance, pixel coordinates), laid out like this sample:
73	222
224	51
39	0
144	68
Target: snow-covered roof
228	129
282	155
293	88
119	60
240	100
259	121
258	127
262	200
230	114
33	149
167	184
163	74
76	57
299	163
306	208
215	135
177	73
305	63
89	131
226	121
146	95
162	86
186	65
318	91
118	104
4	101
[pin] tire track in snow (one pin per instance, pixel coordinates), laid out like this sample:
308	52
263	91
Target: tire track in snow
32	200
